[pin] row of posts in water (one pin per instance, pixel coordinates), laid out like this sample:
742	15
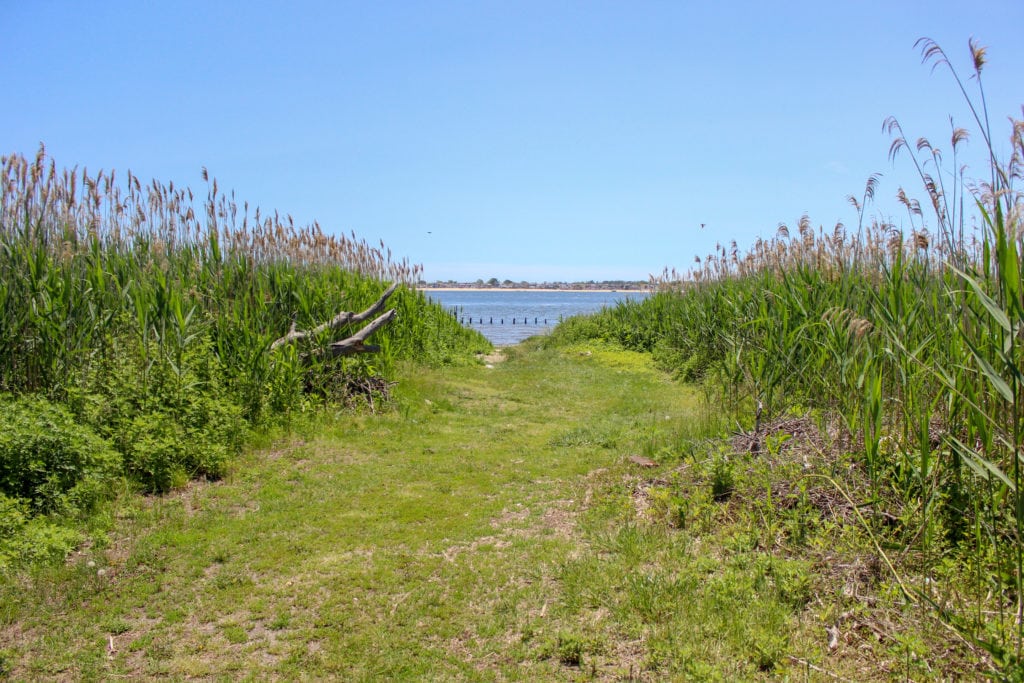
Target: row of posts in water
491	320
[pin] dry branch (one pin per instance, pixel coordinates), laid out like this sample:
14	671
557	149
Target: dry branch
356	342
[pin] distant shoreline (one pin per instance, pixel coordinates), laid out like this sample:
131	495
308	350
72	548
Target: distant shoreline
532	289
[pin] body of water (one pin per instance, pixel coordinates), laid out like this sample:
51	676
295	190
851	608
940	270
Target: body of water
508	317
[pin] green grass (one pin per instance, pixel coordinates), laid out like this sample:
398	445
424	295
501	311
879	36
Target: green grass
490	527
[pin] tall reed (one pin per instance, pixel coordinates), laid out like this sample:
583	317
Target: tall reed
136	298
906	336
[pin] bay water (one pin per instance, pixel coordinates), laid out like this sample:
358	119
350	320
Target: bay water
508	317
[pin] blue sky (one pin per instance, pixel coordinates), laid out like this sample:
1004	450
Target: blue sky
523	140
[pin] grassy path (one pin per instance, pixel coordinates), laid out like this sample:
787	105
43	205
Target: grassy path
423	543
493	526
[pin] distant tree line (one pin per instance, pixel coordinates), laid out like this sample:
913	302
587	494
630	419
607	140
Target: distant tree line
494	283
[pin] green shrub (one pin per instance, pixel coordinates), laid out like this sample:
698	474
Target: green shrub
156	452
24	539
723	478
215	430
170	420
162	454
51	461
13	516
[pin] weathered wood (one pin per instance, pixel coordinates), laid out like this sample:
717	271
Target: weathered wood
642	461
350	345
357	342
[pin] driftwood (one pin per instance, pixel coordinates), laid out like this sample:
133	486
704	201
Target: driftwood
353	344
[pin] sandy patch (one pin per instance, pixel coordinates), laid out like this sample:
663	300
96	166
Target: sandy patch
491	359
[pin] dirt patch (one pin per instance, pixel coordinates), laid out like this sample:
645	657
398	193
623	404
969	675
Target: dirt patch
452	552
287	449
493	358
642	496
559	519
509	517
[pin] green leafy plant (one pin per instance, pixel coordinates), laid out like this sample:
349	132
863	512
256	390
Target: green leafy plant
723	479
49	460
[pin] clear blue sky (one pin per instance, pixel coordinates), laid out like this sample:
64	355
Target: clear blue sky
524	140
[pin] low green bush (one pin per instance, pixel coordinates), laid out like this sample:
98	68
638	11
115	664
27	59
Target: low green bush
163	452
25	539
50	461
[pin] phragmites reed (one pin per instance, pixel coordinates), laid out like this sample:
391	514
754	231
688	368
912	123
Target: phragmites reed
153	315
909	336
93	264
69	209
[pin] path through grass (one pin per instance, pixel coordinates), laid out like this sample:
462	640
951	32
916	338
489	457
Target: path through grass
491	527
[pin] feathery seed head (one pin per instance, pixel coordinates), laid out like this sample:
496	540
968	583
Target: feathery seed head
978	53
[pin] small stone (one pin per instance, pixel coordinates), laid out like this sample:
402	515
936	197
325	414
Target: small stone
833	637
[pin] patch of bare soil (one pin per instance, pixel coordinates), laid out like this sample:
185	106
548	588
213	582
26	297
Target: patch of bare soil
642	494
558	519
493	358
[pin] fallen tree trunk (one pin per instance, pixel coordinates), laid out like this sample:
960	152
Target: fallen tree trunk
353	344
